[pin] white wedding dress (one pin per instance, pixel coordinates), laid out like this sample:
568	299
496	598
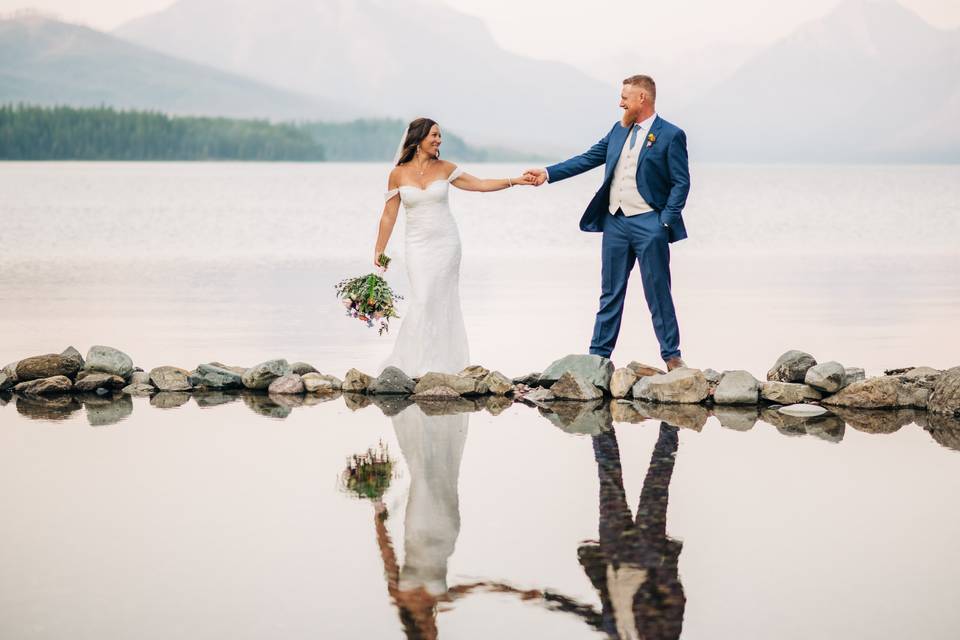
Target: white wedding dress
432	334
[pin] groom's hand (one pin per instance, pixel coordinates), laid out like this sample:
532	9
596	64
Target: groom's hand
538	175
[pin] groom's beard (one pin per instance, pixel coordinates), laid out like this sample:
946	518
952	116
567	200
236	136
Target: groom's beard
628	120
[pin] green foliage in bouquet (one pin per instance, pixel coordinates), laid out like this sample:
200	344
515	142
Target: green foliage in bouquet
369	298
368	474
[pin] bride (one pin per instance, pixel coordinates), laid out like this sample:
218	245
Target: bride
432	335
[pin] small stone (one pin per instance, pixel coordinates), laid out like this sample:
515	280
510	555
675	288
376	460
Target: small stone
302	368
263	374
392	381
289	383
45	386
945	399
803	410
828	377
737	387
138	389
109	360
788	392
683	385
497	383
170	379
214	376
530	380
356	381
644	370
96	381
475	371
539	396
854	374
595	370
792	366
571	386
319	383
47	366
622	381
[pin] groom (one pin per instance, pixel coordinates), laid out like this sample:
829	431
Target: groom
638	209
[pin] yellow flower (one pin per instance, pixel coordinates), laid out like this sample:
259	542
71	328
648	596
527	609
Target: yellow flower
652	138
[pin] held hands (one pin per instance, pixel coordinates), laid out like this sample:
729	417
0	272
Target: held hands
536	176
525	179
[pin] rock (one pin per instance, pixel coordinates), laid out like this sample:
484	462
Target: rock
686	416
592	369
737	387
828	377
622	381
945	399
289	383
737	418
854	374
922	372
644	370
45	386
475	371
11	371
95	381
462	386
109	360
713	377
6	381
539	396
139	377
302	368
580	418
104	412
356	381
792	366
497	383
438	392
170	379
262	375
885	392
73	356
683	385
46	366
392	381
530	380
238	370
803	410
571	386
320	383
138	389
212	376
788	393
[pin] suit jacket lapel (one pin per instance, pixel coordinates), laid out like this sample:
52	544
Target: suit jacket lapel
654	129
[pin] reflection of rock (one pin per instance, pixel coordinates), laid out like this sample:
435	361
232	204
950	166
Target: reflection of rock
737	387
447	407
571	386
945	399
169	399
53	408
683	385
286	400
462	386
265	406
787	425
589	418
826	427
945	430
792	366
322	384
94	381
882	393
109	360
391	405
788	392
356	401
207	399
213	376
495	405
356	381
102	412
737	418
497	383
5	397
45	386
392	381
687	416
621	382
287	384
539	397
828	377
260	376
7	381
876	420
593	369
47	366
313	399
626	411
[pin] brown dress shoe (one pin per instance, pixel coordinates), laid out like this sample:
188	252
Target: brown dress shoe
675	363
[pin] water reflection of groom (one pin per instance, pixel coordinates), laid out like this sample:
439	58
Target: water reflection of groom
634	566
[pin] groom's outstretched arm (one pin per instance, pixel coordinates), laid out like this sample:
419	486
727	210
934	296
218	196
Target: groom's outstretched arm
679	167
589	159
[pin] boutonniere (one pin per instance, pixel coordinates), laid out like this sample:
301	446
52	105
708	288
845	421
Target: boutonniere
650	140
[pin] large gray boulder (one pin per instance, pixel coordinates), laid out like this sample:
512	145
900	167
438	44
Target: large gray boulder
622	381
45	386
570	386
289	383
945	399
261	375
788	393
356	381
737	387
828	377
682	386
392	381
459	384
792	366
322	384
47	366
596	370
170	379
886	392
212	376
109	360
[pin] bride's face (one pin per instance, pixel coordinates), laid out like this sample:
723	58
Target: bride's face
430	145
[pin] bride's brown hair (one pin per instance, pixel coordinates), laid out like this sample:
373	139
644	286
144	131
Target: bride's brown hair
416	132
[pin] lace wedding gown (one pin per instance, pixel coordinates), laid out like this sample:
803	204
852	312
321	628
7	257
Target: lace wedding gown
432	335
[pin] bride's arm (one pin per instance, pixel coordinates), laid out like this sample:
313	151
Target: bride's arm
388	218
468	182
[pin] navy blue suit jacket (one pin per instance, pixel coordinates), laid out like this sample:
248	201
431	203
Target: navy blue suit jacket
663	174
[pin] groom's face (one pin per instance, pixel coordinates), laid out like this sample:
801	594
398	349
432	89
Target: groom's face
632	99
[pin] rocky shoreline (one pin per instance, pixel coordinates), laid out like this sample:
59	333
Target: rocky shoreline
797	388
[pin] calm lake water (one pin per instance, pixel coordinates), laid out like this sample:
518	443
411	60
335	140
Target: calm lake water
225	516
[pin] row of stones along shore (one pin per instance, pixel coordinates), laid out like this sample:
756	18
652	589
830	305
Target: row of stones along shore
795	379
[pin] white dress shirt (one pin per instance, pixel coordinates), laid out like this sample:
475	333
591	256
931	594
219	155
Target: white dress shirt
624	194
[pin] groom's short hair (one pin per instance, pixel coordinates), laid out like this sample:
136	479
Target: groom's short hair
644	82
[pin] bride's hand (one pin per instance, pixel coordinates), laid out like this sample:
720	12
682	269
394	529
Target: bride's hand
525	179
376	261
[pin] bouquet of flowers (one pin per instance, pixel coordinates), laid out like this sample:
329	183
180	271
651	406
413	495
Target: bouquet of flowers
368	474
369	298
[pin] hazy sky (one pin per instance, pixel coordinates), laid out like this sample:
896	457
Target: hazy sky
577	30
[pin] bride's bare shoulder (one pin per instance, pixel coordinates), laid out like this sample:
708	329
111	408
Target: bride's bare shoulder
447	167
395	175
